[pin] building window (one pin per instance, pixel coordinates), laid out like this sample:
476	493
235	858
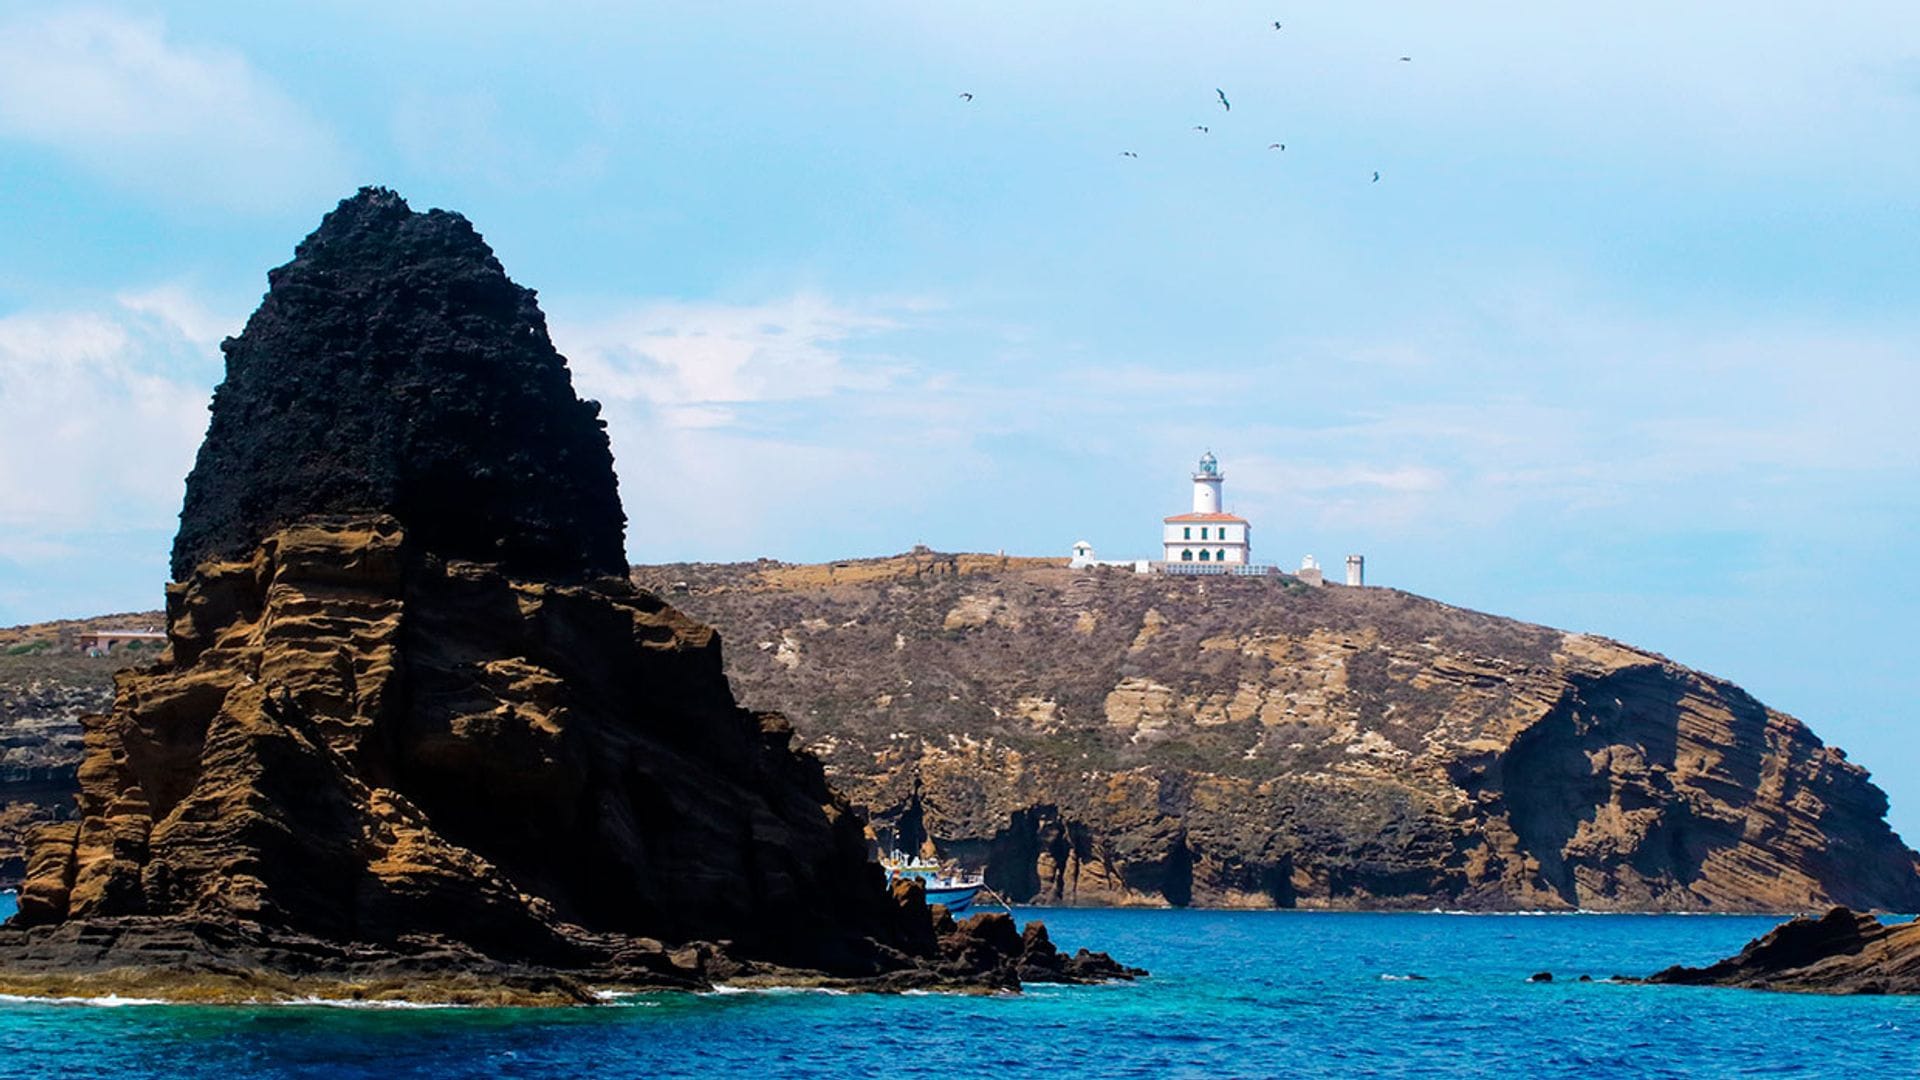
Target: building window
1223	555
1187	555
1203	532
1203	555
1186	533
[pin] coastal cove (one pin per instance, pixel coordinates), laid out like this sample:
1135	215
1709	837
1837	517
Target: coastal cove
1232	994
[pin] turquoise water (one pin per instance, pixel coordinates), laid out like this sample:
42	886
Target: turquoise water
1233	994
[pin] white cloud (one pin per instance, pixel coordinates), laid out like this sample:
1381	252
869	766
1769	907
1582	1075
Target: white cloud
196	124
175	307
692	361
102	413
739	429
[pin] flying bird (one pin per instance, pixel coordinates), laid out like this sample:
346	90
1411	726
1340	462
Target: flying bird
966	97
1376	176
1277	146
1224	103
1406	59
1201	128
1276	26
1128	153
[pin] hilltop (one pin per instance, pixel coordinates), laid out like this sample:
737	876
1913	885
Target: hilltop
1099	737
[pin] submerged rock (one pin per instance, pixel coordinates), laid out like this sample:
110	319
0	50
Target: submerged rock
1841	952
406	738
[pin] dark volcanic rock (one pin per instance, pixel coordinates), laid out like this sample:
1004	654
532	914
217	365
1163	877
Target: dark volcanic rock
393	367
1842	952
990	942
1042	962
404	739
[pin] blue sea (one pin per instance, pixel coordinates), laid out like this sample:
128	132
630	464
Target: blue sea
1232	994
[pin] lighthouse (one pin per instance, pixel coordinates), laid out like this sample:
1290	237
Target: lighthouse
1208	534
1206	485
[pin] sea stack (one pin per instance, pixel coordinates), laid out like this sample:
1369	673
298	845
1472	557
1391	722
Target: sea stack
415	733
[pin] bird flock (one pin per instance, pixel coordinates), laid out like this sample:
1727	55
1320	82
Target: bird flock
1225	106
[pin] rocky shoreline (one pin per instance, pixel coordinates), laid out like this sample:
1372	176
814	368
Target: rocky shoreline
206	962
1841	952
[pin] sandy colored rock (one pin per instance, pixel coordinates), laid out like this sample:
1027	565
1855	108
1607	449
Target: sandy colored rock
354	741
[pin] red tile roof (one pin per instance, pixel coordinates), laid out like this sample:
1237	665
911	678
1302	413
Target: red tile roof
1205	517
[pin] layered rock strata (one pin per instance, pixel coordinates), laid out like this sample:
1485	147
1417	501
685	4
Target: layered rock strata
406	738
1096	737
1842	952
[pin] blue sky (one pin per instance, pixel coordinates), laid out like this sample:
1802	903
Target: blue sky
1624	340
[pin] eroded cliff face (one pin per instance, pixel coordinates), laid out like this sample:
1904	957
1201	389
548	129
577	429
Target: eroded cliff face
1095	737
354	741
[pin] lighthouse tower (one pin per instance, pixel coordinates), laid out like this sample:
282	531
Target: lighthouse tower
1209	534
1206	485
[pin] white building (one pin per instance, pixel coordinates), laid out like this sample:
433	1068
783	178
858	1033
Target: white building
1209	534
1310	571
1083	558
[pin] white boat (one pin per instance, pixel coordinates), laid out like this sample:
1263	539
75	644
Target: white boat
954	891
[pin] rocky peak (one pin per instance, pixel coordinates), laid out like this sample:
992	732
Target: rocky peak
394	368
